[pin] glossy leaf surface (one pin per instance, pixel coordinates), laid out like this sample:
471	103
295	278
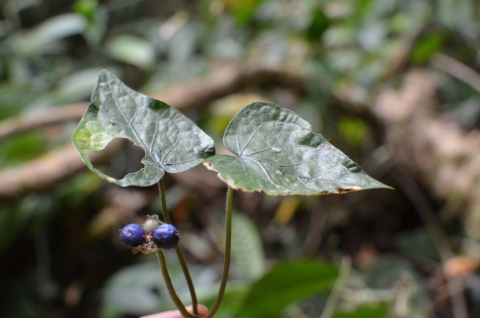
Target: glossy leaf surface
277	153
171	141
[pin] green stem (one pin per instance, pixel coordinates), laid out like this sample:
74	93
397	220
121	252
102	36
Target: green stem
228	245
168	283
181	259
161	189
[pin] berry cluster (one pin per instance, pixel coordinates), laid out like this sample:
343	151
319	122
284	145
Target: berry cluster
164	235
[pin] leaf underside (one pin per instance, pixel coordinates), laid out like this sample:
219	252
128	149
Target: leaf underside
278	154
171	141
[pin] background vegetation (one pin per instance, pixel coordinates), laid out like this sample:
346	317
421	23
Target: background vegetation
392	83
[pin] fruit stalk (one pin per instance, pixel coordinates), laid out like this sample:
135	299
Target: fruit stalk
170	288
228	245
181	259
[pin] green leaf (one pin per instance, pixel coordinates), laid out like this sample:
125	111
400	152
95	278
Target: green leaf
76	86
132	289
133	50
426	47
379	311
243	10
278	154
247	249
171	141
232	299
52	30
318	25
286	283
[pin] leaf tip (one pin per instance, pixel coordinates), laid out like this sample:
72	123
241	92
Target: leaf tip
379	185
106	76
105	72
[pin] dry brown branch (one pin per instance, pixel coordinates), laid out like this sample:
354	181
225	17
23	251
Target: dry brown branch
457	69
52	116
41	173
436	151
227	79
430	146
432	223
222	81
59	165
318	216
403	52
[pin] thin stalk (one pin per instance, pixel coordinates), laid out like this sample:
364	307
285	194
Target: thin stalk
181	259
338	288
228	245
170	288
161	190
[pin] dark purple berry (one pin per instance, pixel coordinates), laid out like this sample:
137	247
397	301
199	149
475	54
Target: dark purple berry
132	234
166	236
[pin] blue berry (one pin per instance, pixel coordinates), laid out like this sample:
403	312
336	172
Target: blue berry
166	236
132	234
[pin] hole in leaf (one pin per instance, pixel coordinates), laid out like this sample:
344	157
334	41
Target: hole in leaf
119	158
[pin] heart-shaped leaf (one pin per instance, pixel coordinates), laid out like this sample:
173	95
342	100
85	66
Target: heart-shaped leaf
278	154
171	141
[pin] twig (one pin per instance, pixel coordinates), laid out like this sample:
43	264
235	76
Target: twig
222	81
457	69
452	291
400	58
294	311
338	288
59	165
413	192
44	172
52	116
316	225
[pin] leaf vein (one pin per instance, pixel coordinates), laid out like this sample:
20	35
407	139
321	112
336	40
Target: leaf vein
173	146
253	135
266	173
244	168
154	137
117	104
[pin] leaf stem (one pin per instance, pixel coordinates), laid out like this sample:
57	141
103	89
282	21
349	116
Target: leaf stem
228	245
181	259
168	283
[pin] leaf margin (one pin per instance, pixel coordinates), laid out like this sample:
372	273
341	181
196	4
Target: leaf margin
84	141
305	126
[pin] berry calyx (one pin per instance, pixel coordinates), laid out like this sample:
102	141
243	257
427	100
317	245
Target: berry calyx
166	236
150	225
132	235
